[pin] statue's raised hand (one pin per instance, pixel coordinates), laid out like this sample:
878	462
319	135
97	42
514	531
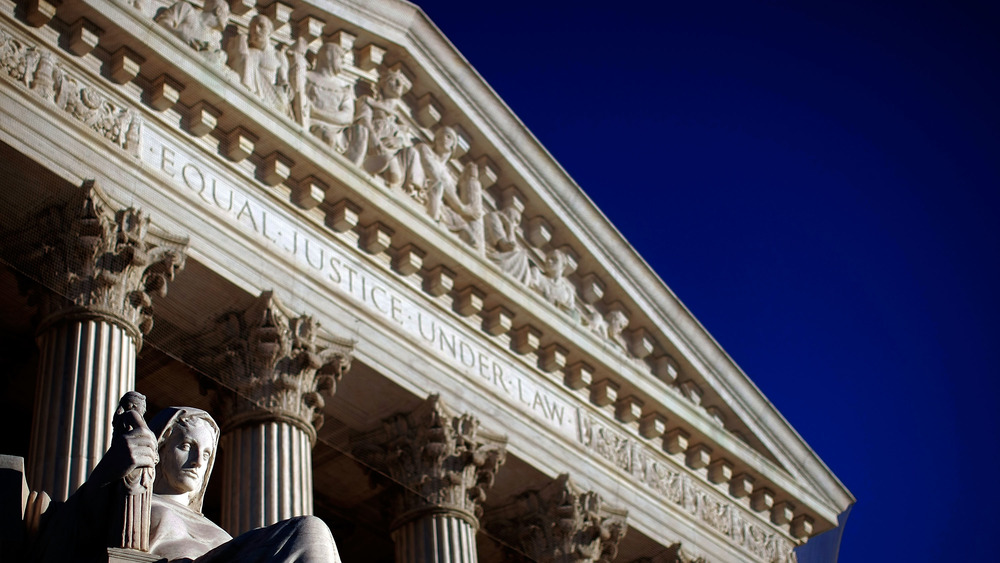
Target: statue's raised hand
133	446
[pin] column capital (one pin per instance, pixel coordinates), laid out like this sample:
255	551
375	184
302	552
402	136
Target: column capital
559	523
85	259
444	462
270	364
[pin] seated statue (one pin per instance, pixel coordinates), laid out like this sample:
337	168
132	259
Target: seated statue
381	141
503	243
181	442
262	68
553	284
200	28
328	98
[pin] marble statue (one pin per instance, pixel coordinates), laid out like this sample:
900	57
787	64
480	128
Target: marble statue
464	213
262	68
200	28
617	322
327	98
457	205
502	231
181	443
381	141
552	283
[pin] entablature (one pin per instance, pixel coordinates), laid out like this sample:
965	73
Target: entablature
656	371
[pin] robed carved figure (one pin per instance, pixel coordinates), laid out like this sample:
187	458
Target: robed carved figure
181	443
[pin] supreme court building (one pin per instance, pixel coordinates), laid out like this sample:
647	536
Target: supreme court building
314	220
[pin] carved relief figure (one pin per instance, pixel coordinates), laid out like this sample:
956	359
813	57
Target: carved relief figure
181	442
328	98
617	322
262	68
502	230
200	28
381	141
464	213
552	282
458	205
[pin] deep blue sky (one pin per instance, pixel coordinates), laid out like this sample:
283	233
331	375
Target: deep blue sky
818	183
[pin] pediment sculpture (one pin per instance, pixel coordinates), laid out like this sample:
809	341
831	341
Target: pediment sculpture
146	495
200	28
376	127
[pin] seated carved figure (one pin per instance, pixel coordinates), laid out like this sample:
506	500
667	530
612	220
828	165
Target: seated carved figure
200	28
328	98
262	68
503	243
181	442
553	284
381	141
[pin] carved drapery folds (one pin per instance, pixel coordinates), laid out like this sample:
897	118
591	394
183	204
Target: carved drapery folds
200	28
379	127
272	365
559	524
444	462
98	263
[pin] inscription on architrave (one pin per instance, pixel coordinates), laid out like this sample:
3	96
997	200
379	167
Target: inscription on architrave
360	282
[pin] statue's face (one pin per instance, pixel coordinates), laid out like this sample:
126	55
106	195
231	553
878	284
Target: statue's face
260	31
394	85
184	458
446	140
554	263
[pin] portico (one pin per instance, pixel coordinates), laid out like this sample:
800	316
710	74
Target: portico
316	301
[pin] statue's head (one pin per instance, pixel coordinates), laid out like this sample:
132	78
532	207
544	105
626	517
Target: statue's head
558	264
187	439
261	29
445	140
330	56
394	83
220	10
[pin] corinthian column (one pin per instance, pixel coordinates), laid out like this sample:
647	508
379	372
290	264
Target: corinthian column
91	271
442	466
270	372
559	523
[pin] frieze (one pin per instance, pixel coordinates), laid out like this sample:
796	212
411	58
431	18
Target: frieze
636	459
36	69
357	280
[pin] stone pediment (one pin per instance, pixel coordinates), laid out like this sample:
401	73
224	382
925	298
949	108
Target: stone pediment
363	114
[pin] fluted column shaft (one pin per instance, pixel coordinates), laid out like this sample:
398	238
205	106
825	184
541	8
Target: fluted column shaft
84	367
271	369
436	538
91	270
268	475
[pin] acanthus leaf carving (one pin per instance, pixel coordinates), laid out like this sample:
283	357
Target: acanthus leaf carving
272	364
90	260
559	523
442	461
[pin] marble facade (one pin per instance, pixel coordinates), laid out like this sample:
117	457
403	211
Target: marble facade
314	221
